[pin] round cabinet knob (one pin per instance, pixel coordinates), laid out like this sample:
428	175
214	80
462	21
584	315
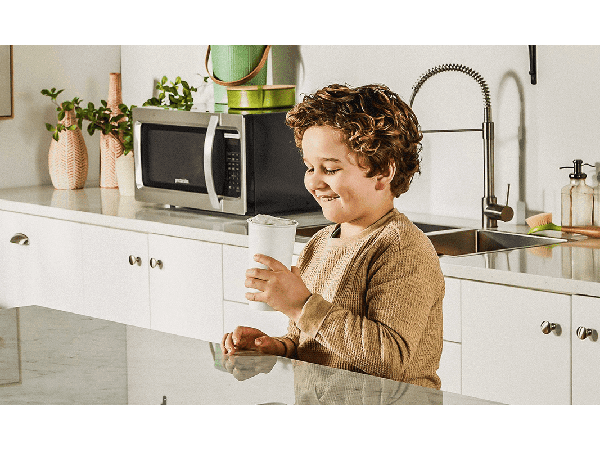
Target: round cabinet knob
583	333
133	260
156	262
547	327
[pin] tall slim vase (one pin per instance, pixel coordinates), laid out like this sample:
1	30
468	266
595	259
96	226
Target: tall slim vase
110	147
68	157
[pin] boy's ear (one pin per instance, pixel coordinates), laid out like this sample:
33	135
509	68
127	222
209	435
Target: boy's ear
385	179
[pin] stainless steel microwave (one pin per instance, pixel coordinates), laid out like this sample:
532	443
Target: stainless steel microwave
238	163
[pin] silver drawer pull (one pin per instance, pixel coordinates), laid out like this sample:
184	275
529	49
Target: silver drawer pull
547	327
20	239
583	333
133	260
156	262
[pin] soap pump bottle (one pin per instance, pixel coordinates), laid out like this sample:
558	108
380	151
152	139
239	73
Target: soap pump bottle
577	198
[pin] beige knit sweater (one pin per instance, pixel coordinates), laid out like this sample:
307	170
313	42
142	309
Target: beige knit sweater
376	303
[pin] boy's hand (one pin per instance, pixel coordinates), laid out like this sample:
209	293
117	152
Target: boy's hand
282	289
247	338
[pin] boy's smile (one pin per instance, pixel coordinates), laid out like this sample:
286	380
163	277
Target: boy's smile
340	185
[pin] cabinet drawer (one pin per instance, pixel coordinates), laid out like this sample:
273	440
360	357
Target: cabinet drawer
235	264
236	314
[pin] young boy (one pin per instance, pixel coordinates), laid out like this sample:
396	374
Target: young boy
367	292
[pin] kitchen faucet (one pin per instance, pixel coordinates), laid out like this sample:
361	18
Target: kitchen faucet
491	211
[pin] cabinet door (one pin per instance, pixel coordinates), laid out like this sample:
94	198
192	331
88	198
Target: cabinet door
115	289
451	305
57	264
450	367
505	355
186	287
47	271
586	352
13	256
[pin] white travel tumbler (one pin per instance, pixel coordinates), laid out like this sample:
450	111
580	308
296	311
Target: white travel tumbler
274	237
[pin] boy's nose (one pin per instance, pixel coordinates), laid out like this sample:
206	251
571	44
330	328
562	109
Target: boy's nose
313	181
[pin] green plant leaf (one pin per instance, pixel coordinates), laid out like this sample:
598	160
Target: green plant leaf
61	115
55	136
72	127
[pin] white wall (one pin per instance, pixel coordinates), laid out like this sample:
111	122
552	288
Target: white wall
24	141
538	127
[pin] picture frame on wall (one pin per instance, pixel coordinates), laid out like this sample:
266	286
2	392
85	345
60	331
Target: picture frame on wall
7	110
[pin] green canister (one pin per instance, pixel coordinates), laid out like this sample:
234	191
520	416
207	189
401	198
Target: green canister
236	65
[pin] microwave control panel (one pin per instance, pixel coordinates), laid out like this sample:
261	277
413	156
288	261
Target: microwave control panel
233	183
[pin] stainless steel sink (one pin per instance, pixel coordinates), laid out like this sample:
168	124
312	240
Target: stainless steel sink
430	228
466	242
308	231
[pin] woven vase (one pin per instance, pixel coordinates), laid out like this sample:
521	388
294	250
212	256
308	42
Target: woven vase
110	147
68	157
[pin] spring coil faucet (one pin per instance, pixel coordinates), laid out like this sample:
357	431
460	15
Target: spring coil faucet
491	212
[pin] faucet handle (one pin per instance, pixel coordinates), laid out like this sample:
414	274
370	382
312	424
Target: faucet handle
498	212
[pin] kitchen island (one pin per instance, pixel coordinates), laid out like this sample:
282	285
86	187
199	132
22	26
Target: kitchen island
54	357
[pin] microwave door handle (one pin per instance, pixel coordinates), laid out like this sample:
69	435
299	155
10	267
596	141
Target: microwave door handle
137	154
208	153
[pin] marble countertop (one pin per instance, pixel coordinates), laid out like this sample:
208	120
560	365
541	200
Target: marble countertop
54	357
572	268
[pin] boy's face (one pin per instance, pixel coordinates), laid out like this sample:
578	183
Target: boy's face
338	183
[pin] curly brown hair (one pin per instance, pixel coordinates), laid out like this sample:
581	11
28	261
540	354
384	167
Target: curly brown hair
375	123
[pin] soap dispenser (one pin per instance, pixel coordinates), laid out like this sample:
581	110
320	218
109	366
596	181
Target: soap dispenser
577	198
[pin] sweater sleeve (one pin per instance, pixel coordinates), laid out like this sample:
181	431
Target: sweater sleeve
403	284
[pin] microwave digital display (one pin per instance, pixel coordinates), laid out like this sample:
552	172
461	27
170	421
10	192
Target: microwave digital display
173	157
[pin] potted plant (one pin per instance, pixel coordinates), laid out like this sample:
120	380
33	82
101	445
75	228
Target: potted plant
170	97
119	125
67	156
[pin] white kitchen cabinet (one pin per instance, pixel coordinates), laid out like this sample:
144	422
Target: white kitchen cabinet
586	352
13	259
505	355
41	262
114	288
186	290
450	362
450	367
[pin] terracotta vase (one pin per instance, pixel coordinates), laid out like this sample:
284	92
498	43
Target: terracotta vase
110	147
68	157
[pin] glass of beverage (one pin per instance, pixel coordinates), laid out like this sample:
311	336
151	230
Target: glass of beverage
271	236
